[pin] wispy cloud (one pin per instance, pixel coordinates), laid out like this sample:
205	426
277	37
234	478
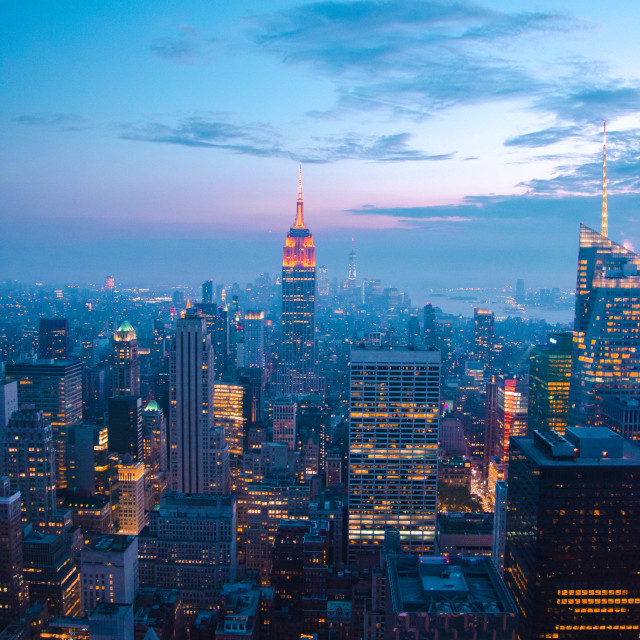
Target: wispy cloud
185	47
259	139
543	138
64	121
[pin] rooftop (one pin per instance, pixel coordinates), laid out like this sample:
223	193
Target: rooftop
112	543
442	585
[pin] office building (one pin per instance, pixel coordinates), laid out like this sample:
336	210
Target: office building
13	590
87	456
512	410
207	292
285	412
92	514
125	426
572	547
483	321
549	377
229	414
190	545
192	420
109	571
8	401
217	321
393	447
28	458
125	368
254	340
154	438
55	388
499	525
131	479
606	342
297	369
432	597
50	574
622	415
53	338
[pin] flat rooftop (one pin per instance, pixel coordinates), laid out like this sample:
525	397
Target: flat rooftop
111	543
442	585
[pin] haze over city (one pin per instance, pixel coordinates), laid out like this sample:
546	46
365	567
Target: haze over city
459	143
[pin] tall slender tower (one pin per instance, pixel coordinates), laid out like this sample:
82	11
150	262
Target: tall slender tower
605	212
352	263
125	372
298	354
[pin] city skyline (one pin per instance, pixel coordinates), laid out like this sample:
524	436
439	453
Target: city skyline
163	147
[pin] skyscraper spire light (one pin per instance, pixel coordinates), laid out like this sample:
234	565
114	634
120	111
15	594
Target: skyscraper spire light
605	213
299	223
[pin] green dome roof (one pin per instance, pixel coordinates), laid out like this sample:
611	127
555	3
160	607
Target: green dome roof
152	406
126	326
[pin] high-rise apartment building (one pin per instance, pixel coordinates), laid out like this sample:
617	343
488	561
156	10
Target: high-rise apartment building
549	377
13	591
298	372
28	458
125	369
131	478
606	342
192	446
572	547
393	447
53	338
254	340
55	388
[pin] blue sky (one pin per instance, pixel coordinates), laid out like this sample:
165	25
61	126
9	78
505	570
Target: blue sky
459	143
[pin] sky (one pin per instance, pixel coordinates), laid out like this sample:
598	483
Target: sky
458	143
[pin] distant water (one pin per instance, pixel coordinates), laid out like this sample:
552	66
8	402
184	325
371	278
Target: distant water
560	315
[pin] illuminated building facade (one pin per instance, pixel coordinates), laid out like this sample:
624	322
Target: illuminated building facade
549	377
254	339
606	337
53	338
217	321
298	372
393	447
125	369
228	414
483	327
131	479
572	546
192	446
285	412
13	591
55	388
512	410
29	461
154	438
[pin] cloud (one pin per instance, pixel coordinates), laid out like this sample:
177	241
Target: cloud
184	48
543	137
259	139
64	121
427	55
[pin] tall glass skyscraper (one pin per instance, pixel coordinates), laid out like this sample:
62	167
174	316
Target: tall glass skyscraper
606	339
393	447
298	373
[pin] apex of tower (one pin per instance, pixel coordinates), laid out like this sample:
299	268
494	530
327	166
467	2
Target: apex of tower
605	213
299	223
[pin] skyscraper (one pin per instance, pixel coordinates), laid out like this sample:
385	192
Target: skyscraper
254	339
549	376
28	458
512	408
132	516
55	388
191	427
207	292
572	546
53	338
125	371
483	334
351	276
393	447
606	343
125	426
298	352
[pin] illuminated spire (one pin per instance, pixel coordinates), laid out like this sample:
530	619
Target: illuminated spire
605	213
188	304
299	223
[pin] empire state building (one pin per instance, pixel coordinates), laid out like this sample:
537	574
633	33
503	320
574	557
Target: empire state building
297	371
